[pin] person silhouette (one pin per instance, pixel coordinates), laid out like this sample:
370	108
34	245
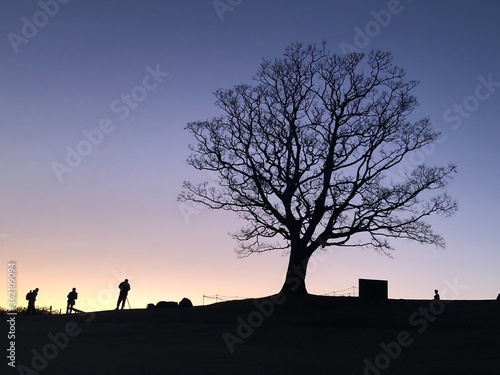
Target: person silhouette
31	301
72	296
28	298
124	288
436	294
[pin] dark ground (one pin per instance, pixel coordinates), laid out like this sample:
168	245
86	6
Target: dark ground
309	335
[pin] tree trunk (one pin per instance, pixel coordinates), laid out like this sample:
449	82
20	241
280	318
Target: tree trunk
295	280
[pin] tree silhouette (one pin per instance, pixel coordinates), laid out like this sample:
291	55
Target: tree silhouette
304	156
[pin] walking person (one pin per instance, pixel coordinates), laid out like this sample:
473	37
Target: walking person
31	297
124	288
72	296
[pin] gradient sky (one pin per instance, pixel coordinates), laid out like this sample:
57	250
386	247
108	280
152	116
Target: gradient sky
115	215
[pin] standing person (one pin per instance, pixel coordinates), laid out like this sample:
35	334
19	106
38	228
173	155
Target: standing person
124	288
72	296
31	296
436	294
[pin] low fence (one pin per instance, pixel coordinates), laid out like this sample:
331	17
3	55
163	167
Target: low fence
348	292
219	298
353	291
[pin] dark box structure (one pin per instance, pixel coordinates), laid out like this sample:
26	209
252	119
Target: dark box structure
373	289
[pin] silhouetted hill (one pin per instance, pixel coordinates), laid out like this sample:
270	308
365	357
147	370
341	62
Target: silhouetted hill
306	335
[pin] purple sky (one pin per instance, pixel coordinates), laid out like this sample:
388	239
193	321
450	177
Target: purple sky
129	75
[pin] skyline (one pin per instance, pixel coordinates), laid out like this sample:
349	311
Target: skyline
113	85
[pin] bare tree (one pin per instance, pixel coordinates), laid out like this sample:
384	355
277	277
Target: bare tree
303	156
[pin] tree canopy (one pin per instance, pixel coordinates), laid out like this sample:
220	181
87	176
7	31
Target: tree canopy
304	156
